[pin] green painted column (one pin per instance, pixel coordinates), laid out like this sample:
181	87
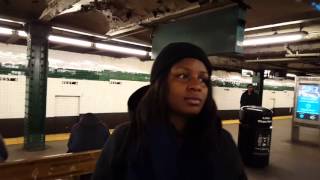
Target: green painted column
36	86
257	81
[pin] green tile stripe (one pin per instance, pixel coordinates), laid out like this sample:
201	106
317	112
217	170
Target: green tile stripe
220	83
106	75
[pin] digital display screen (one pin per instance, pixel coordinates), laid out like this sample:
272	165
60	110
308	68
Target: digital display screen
308	102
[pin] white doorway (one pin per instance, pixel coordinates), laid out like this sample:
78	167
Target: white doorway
67	106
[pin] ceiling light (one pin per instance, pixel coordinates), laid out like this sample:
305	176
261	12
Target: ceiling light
273	39
130	42
121	49
71	41
11	21
22	33
78	32
6	31
100	36
290	75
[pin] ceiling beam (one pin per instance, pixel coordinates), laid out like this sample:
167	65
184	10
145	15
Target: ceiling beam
234	63
228	63
55	7
152	21
281	49
278	60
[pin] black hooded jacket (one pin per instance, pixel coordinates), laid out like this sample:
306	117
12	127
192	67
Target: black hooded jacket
252	99
88	134
162	164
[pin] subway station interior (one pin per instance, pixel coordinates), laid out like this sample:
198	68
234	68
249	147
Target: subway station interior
61	59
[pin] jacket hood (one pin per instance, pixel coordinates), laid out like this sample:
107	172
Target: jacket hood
88	119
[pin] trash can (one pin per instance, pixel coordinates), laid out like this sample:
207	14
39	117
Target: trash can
254	137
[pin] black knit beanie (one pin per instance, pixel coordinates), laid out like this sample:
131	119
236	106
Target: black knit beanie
173	53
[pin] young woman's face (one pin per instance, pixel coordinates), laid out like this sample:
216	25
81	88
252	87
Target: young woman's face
188	91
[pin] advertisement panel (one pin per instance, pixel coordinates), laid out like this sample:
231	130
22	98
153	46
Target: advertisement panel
307	100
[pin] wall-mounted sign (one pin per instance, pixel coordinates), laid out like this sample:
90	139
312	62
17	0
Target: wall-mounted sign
307	100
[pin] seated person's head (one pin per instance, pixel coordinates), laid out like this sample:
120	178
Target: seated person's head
250	88
135	98
88	119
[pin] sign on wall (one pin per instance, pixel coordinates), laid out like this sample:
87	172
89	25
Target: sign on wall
307	100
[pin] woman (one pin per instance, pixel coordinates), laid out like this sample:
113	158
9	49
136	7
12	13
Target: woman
175	132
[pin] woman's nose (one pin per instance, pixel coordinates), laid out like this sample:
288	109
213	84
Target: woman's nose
195	84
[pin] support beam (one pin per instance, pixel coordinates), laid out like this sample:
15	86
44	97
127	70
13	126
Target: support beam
279	60
306	46
36	86
257	81
55	7
151	21
237	63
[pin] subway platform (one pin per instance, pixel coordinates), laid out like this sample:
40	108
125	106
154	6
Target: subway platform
294	161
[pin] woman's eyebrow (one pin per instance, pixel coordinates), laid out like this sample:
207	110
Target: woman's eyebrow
185	68
204	73
182	67
188	68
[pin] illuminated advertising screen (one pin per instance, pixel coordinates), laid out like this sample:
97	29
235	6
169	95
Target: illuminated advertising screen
308	102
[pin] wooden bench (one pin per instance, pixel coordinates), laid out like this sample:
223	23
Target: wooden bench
50	167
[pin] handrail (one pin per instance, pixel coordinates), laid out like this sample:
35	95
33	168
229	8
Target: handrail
50	167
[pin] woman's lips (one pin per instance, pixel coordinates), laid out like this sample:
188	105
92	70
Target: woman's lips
193	100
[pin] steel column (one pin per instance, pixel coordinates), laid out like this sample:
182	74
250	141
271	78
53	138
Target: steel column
36	86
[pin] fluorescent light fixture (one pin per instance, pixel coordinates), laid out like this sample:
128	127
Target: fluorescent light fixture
6	31
78	32
290	75
64	40
130	42
274	39
120	49
22	33
99	36
11	21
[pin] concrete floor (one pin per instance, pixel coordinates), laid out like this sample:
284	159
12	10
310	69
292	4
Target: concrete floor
294	161
52	148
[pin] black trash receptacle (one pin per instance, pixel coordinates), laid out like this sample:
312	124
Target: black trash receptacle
254	138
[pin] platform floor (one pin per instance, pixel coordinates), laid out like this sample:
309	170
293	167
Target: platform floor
294	161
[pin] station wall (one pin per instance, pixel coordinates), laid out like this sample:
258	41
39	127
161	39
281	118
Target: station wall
80	83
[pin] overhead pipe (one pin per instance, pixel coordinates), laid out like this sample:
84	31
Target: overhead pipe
278	60
304	55
270	26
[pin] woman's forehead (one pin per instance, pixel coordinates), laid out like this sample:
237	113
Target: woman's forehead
190	64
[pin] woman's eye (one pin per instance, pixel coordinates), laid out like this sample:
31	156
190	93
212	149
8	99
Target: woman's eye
182	76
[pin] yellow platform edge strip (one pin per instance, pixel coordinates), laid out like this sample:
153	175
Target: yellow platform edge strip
65	136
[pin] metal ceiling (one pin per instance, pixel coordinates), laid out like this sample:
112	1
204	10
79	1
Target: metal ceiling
134	20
